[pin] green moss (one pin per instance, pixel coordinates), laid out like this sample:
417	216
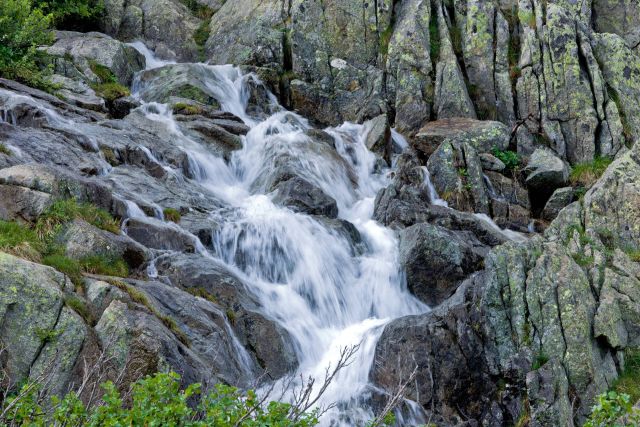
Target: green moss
110	91
231	316
187	109
110	156
5	150
634	255
586	174
103	73
199	10
172	215
629	381
201	36
79	305
47	335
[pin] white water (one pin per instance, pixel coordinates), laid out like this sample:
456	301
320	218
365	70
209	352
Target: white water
306	275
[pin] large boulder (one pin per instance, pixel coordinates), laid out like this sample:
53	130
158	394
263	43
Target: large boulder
77	54
166	26
41	336
484	136
545	171
436	260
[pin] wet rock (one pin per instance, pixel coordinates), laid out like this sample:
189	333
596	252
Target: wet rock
121	107
78	93
300	195
379	137
156	234
558	200
436	260
270	345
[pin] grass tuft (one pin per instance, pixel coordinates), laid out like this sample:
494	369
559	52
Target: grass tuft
586	174
172	215
5	150
64	211
78	305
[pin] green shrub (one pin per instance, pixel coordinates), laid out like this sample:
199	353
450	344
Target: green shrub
22	29
613	409
187	109
71	14
511	159
586	174
156	400
171	214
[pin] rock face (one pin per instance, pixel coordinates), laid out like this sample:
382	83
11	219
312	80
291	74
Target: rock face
541	330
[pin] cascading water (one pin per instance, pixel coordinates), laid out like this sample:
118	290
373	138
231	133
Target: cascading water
307	276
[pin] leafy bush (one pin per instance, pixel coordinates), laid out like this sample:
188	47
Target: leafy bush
22	29
511	159
586	174
613	409
156	400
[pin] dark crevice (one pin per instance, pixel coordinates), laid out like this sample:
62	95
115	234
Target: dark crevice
586	71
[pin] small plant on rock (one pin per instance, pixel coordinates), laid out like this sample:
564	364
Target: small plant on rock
511	159
172	215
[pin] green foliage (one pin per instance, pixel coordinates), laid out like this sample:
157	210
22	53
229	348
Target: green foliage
5	150
613	410
22	29
202	293
156	400
434	37
171	214
71	14
201	36
583	260
586	174
47	335
629	381
539	361
511	159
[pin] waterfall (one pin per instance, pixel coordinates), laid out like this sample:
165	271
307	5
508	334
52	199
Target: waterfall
306	276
